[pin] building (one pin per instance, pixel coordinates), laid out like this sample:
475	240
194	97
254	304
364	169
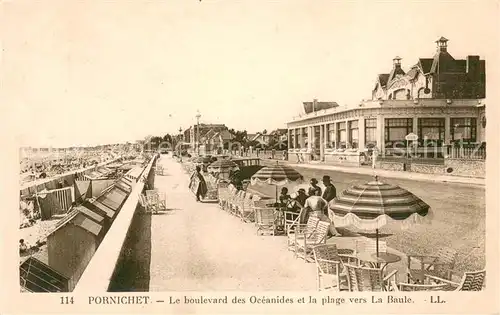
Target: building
441	100
217	141
191	134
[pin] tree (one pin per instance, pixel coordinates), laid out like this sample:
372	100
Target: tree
239	136
168	138
264	132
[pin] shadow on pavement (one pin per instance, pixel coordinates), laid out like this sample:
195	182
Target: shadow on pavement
132	274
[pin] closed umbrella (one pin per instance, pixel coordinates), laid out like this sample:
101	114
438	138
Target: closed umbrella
277	175
372	205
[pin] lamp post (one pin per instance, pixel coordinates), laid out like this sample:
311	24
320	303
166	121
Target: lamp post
179	143
198	132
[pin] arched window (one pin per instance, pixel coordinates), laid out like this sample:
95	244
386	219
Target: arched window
399	94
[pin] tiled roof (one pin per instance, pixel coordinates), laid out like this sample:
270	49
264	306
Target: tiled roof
86	223
382	78
425	64
412	74
308	106
444	62
395	71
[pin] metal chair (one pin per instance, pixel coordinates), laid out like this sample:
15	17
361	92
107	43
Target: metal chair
330	270
301	229
305	242
248	214
471	281
361	279
265	220
440	265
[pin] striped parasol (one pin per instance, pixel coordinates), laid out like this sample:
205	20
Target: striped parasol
372	205
223	166
276	175
201	160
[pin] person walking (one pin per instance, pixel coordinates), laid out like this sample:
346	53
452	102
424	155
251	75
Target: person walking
199	180
314	189
330	191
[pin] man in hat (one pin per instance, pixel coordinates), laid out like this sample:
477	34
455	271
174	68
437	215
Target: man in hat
330	191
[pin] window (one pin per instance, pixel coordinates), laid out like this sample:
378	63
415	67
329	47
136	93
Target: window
463	129
331	135
370	133
341	134
353	134
431	131
396	130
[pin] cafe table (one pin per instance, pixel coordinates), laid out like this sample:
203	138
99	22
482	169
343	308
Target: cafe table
382	260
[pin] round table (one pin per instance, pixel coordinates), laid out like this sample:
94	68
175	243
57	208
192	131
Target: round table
379	261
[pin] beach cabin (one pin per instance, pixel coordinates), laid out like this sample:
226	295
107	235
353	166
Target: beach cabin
73	242
134	173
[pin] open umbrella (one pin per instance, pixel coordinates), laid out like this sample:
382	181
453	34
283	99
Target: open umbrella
277	175
372	205
201	160
223	167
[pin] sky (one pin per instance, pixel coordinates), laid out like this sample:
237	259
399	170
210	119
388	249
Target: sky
96	72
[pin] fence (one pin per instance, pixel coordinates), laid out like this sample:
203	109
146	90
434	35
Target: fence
478	153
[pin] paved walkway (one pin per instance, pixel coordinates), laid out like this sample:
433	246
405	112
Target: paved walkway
390	174
197	246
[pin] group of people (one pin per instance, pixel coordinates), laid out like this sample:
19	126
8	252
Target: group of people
313	203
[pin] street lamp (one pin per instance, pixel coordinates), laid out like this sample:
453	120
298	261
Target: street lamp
179	143
198	132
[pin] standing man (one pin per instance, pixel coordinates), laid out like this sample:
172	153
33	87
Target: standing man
330	191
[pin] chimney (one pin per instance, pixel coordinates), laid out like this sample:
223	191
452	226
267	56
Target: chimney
315	104
396	62
442	44
472	65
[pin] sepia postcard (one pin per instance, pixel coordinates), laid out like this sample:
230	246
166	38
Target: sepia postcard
250	156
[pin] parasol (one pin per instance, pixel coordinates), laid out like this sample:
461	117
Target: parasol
202	160
223	167
277	175
372	205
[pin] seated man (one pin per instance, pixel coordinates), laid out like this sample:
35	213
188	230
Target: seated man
283	198
23	246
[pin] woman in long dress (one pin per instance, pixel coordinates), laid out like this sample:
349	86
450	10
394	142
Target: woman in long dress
317	206
198	179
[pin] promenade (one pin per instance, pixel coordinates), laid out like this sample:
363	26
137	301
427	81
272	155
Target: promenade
197	246
366	170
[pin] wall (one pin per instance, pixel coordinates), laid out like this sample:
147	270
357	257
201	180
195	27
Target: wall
343	158
390	166
427	168
70	249
469	168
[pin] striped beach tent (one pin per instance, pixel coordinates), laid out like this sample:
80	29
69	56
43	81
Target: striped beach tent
372	205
